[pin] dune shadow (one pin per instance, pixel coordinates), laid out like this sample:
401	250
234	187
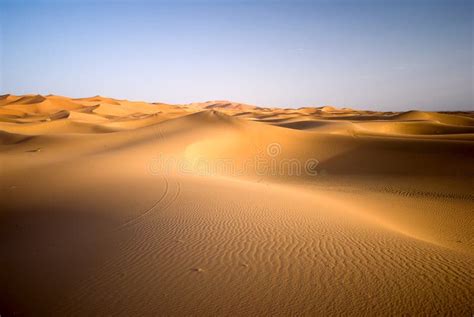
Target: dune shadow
404	157
44	253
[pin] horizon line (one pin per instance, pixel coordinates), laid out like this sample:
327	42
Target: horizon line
2	95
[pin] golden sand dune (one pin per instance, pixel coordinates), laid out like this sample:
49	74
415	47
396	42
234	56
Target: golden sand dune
112	207
452	119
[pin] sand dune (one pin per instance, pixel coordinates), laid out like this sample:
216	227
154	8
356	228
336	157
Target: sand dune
113	207
452	119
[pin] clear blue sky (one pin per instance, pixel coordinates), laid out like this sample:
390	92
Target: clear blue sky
387	55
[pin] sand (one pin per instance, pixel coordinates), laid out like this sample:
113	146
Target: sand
113	207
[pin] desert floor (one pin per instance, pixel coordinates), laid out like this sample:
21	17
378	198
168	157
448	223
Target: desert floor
113	207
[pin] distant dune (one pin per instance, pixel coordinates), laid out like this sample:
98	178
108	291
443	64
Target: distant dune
116	207
109	115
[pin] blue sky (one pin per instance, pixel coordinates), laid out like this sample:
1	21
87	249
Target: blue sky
383	55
